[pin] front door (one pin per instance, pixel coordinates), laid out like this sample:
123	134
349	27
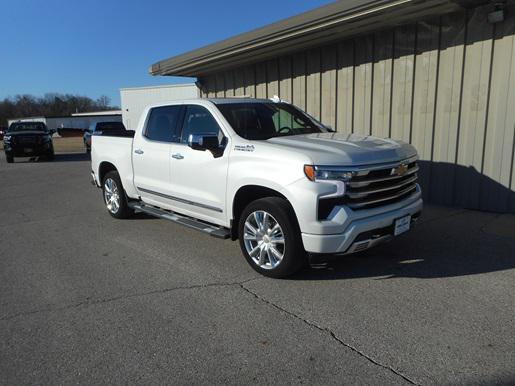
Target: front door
198	177
151	154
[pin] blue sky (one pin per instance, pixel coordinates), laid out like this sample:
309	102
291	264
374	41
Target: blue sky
95	47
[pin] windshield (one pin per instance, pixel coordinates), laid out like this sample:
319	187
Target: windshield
27	126
259	121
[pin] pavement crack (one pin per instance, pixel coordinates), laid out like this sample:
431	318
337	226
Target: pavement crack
88	302
331	333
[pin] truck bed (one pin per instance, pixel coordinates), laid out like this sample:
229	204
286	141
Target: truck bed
115	133
116	149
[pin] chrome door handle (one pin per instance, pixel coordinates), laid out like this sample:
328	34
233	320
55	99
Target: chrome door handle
178	156
138	151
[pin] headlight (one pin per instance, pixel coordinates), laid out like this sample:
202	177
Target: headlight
47	138
321	173
7	138
331	175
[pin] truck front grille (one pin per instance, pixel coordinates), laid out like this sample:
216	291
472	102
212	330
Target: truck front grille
28	140
375	186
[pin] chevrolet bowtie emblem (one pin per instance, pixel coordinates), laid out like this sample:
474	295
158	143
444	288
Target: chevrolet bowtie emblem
400	170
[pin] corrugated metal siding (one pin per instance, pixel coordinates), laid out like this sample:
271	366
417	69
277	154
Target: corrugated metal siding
447	85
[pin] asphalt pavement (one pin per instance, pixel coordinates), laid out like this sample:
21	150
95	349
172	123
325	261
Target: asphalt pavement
88	299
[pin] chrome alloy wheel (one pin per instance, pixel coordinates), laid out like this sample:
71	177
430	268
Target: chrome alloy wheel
111	195
264	239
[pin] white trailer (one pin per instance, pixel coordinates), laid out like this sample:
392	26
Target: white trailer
135	99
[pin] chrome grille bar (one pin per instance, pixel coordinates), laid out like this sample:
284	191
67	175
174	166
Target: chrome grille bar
381	185
368	192
365	203
373	185
359	184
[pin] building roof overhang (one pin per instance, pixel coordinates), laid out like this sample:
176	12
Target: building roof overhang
335	21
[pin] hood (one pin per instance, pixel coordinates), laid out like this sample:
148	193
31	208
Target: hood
27	132
346	149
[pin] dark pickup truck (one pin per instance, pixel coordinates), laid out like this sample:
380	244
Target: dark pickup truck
28	139
98	128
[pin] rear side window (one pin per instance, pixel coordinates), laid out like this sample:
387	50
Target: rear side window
162	124
198	120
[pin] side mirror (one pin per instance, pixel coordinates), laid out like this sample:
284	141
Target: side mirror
203	142
206	142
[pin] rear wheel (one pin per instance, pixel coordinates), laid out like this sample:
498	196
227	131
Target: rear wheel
270	238
114	196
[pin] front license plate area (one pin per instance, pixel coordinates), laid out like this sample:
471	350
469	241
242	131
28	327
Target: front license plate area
27	150
402	225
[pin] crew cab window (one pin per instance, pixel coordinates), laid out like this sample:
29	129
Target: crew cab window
162	124
198	120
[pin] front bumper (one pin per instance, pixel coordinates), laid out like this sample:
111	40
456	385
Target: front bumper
28	150
360	234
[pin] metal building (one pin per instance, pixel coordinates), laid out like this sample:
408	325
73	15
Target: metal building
135	99
437	73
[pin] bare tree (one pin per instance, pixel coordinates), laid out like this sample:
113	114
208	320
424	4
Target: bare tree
51	104
104	102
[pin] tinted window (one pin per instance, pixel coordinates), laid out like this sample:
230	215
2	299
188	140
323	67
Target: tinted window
266	120
162	124
26	126
198	120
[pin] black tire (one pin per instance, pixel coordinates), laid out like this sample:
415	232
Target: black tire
9	159
294	257
123	210
51	155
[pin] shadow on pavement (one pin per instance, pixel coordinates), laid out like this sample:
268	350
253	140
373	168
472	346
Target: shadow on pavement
63	157
141	216
448	246
69	157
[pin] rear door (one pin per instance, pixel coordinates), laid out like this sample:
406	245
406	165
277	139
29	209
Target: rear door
151	154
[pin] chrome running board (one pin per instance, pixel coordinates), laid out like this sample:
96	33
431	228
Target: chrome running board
212	230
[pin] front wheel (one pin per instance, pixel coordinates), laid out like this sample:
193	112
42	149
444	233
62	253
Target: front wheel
270	238
51	155
114	196
9	159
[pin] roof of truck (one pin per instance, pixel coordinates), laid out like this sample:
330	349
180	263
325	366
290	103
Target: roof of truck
224	101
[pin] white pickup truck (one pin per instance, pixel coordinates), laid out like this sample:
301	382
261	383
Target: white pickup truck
263	172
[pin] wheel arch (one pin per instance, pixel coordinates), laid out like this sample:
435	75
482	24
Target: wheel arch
104	168
247	194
